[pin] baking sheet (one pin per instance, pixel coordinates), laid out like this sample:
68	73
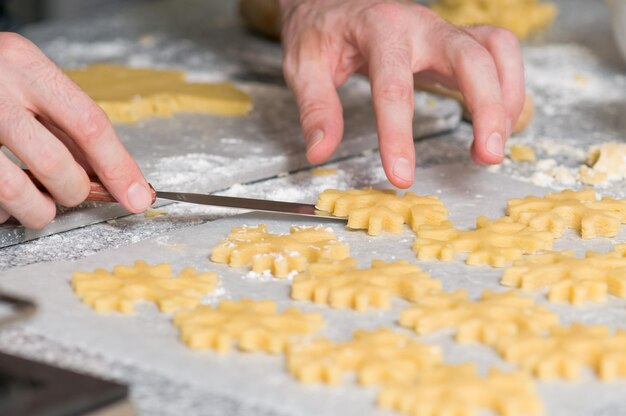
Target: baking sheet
148	341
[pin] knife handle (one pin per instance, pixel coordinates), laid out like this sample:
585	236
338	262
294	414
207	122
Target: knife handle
97	192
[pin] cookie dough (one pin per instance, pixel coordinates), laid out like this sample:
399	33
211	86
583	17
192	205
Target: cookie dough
493	317
282	254
323	171
128	95
580	210
380	356
461	391
377	210
570	279
253	325
342	285
522	153
495	243
522	17
605	163
107	291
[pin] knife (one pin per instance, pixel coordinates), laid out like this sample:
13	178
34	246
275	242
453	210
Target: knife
99	193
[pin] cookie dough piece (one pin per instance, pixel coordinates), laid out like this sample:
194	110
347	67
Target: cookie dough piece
495	243
128	95
494	316
119	290
382	210
605	163
570	279
279	253
579	210
522	17
342	285
522	153
460	391
376	357
565	351
324	171
253	325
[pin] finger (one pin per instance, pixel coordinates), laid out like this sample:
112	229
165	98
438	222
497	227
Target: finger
20	198
4	216
507	55
391	76
76	151
62	102
46	157
321	115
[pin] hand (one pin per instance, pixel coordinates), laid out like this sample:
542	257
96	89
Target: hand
397	43
61	135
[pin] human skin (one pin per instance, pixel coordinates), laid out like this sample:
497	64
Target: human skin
61	136
397	43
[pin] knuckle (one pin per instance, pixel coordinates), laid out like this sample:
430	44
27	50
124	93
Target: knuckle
91	125
386	12
504	37
12	186
310	108
395	91
117	172
50	162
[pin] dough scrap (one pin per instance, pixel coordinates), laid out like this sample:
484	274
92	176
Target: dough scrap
579	210
253	325
376	357
460	391
495	243
606	162
128	95
522	17
108	291
382	210
522	153
323	171
564	351
570	279
342	285
279	253
492	317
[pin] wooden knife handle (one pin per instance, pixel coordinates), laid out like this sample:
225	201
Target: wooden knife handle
97	192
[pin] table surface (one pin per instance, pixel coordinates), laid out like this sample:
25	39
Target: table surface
571	116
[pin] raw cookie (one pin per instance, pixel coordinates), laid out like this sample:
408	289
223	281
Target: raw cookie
460	390
492	317
128	95
279	253
495	243
343	285
606	162
382	210
119	290
380	356
571	279
522	153
253	325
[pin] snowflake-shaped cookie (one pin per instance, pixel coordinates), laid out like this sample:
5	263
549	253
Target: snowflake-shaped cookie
565	351
119	290
376	357
377	210
250	324
343	285
492	317
495	243
279	253
570	279
460	391
579	210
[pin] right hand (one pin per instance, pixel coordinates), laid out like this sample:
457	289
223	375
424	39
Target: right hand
61	135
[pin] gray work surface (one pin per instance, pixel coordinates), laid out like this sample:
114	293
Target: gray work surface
570	117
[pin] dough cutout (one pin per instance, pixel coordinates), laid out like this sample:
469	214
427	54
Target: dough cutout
606	162
118	291
342	285
377	210
579	210
495	243
128	95
522	153
570	279
565	351
460	391
251	325
376	357
492	317
281	254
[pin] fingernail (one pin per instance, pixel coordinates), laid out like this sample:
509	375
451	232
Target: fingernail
313	139
139	197
495	145
509	127
402	169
